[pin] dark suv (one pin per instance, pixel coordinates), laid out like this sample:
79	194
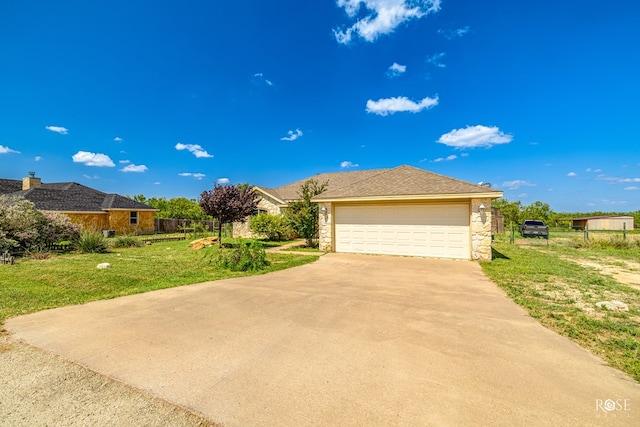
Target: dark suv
534	228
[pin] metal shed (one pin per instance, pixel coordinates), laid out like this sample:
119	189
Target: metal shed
603	223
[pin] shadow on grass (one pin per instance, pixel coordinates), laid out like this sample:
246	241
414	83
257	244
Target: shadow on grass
498	255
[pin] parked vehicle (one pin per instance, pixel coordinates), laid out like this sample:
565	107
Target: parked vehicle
534	228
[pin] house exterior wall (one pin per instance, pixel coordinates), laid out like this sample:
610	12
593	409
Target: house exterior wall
242	230
90	221
481	230
119	220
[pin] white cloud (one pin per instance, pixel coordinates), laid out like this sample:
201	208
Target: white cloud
347	164
194	149
396	69
93	159
156	183
435	60
223	180
517	183
632	188
293	135
628	180
124	161
57	129
464	154
523	195
134	168
196	175
572	174
448	158
386	106
475	136
259	78
382	16
37	158
118	139
593	170
6	150
452	34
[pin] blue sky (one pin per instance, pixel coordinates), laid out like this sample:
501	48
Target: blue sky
166	98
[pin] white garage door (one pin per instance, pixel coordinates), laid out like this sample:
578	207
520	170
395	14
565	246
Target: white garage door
440	231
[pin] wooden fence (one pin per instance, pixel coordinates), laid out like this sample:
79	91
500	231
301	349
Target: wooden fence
170	225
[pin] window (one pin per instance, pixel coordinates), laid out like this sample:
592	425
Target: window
133	218
258	212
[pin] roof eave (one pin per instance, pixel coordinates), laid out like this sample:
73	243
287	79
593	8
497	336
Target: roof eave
453	196
266	193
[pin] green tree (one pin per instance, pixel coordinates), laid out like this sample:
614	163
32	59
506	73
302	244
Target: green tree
177	207
536	210
303	213
510	210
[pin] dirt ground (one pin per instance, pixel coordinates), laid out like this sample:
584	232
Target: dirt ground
41	389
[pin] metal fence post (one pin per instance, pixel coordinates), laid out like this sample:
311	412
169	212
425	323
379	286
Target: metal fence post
624	231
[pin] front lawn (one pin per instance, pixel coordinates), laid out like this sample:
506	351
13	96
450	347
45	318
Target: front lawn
33	285
560	285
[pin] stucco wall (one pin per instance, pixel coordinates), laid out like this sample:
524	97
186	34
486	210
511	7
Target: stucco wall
481	230
90	221
120	221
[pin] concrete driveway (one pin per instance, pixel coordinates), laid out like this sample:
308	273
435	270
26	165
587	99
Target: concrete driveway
347	340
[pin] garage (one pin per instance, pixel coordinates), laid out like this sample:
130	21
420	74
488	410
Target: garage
429	230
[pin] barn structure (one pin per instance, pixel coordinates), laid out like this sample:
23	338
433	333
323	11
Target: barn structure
603	223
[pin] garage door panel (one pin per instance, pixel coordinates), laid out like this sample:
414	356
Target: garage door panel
415	230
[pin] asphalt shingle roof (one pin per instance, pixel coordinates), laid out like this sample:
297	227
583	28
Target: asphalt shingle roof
70	197
399	181
403	181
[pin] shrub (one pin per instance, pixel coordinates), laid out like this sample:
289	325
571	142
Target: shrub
91	242
126	241
24	228
242	257
274	227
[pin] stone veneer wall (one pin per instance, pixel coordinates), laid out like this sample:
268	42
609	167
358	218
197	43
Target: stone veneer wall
241	229
481	230
325	227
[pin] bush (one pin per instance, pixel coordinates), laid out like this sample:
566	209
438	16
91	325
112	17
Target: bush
242	257
274	227
92	242
24	228
126	241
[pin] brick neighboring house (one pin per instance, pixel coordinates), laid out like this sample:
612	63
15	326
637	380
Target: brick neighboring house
399	211
85	206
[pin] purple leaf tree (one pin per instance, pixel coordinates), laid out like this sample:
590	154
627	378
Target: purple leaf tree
229	203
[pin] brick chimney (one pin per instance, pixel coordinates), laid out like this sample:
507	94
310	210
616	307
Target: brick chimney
31	181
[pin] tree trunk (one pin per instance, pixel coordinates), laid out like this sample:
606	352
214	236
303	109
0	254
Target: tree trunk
219	233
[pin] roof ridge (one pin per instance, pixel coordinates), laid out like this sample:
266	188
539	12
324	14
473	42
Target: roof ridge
381	171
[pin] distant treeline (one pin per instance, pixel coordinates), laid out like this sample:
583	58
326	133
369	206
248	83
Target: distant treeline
515	213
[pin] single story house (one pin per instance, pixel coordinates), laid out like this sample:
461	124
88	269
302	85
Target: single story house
89	208
608	223
397	211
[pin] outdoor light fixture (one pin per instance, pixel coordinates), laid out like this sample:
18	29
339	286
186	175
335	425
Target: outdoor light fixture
323	210
481	208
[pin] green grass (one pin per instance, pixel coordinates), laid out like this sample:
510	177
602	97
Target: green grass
33	285
562	294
